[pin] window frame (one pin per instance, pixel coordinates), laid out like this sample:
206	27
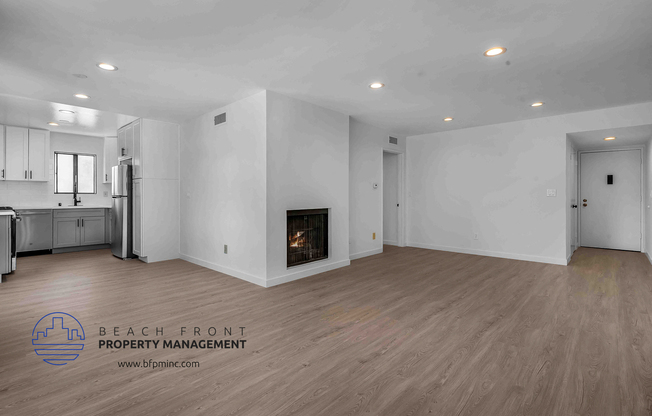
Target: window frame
75	183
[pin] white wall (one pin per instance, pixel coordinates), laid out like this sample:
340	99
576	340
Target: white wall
492	180
390	199
365	168
223	192
26	194
307	167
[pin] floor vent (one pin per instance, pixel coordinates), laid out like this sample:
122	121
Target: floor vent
393	140
220	118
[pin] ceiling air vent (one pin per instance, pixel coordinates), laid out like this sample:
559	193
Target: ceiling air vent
393	140
220	118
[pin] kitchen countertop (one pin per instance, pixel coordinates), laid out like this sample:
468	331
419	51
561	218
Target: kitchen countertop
34	207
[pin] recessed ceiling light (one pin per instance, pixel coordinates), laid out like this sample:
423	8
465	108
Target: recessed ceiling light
107	67
376	85
84	96
498	50
610	138
448	119
82	76
52	123
537	104
67	111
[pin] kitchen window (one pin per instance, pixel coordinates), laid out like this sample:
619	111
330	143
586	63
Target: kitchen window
74	173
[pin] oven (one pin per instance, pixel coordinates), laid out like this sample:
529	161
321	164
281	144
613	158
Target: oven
8	221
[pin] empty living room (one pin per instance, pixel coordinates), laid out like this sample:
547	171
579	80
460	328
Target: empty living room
325	208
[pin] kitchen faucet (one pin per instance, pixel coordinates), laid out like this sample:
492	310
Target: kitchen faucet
75	199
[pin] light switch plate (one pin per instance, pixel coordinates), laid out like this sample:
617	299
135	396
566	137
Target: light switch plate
226	249
551	192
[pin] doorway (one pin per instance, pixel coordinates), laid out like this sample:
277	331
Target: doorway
390	198
610	199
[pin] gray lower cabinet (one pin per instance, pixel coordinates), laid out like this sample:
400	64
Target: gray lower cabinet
92	230
66	232
83	227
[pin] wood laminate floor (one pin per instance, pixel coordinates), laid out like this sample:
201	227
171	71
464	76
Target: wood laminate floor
406	332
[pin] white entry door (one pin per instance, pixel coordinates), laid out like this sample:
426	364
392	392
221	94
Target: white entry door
610	213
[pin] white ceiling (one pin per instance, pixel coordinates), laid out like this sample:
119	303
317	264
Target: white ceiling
179	59
28	112
625	136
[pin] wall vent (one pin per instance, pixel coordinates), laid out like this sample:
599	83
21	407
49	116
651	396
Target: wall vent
393	140
220	118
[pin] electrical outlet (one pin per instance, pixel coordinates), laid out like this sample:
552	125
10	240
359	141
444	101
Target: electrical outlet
551	192
226	249
374	236
475	236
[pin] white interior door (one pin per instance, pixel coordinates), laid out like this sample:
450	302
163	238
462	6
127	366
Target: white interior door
610	214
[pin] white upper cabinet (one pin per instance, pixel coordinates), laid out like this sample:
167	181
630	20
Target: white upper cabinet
137	151
16	153
153	147
38	155
3	173
129	142
110	157
27	154
122	141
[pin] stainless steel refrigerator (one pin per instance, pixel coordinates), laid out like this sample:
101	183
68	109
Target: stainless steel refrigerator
121	191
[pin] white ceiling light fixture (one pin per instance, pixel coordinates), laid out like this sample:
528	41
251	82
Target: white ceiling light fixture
537	104
376	85
448	119
52	123
610	138
495	51
107	67
67	111
82	96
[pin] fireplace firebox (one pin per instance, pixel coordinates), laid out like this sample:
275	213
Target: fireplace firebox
307	231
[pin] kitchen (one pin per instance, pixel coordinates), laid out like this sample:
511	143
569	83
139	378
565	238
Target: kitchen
73	178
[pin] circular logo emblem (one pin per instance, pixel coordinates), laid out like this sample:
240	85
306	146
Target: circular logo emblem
58	338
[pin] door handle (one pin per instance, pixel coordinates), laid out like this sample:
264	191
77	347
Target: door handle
77	222
25	174
82	222
30	174
3	173
573	206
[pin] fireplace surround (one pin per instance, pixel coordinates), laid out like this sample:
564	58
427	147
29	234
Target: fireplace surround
307	236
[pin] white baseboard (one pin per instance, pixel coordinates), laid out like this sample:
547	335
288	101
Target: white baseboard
512	256
390	242
365	253
306	272
233	273
648	257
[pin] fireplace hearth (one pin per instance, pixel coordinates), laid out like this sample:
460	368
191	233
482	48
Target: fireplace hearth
307	234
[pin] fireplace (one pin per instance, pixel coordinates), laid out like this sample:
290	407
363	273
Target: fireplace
307	232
